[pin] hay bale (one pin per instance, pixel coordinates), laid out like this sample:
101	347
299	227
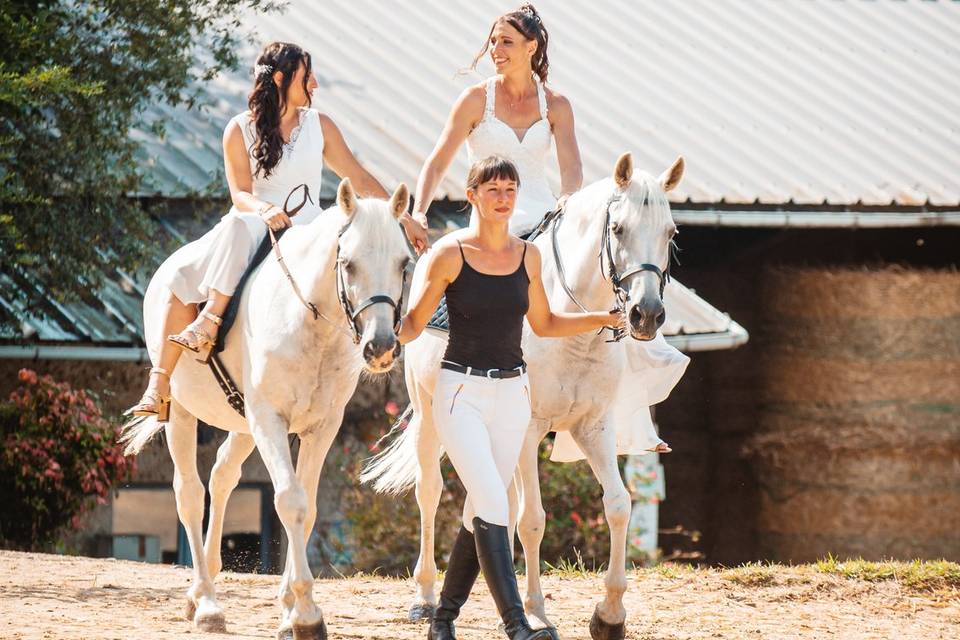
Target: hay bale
858	449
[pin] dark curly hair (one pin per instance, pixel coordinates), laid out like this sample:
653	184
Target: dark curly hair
527	21
266	101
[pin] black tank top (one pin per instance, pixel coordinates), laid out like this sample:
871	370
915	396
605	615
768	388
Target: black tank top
486	317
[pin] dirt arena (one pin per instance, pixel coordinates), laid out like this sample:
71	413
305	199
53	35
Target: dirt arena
53	597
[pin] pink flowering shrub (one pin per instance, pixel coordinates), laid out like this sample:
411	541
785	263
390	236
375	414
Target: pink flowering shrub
59	457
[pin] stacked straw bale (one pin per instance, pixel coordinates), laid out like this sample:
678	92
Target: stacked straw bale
858	451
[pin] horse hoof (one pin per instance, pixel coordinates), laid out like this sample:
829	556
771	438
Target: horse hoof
600	630
190	610
421	611
554	634
317	631
211	623
285	634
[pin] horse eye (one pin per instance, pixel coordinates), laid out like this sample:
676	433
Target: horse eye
616	228
347	265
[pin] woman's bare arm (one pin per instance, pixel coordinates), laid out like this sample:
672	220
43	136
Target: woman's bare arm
341	160
557	324
568	151
236	165
464	116
442	268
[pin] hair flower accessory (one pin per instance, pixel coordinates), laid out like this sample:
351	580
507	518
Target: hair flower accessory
262	69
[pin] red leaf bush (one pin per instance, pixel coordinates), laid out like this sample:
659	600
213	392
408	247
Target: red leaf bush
59	458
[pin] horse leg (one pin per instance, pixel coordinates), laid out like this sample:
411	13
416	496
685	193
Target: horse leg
223	480
202	607
313	451
533	520
305	620
428	490
600	446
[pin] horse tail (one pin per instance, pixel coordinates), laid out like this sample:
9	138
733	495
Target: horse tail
394	470
137	432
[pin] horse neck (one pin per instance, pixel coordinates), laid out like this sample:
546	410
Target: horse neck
309	252
578	241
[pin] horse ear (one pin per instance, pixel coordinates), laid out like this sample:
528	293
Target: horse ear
400	200
672	176
623	171
347	197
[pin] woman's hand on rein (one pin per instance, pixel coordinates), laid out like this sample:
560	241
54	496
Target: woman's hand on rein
617	319
276	219
416	230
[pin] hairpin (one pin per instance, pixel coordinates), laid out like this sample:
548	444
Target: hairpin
262	69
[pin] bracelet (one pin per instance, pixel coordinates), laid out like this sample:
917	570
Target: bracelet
264	209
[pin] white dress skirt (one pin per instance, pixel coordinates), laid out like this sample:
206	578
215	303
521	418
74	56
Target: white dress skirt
653	368
218	259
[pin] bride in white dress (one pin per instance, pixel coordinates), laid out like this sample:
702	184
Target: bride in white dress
515	115
279	144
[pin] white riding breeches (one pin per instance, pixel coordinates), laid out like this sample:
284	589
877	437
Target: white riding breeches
482	423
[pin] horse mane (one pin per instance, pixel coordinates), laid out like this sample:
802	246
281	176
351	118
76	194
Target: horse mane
644	189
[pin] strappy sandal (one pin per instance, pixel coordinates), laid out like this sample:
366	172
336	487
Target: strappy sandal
153	403
195	340
660	447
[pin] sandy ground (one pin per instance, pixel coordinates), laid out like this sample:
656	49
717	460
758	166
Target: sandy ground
46	596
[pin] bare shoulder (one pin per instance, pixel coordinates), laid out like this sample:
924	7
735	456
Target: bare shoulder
470	103
326	122
233	132
445	253
557	103
531	259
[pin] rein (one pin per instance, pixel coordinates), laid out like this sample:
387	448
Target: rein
616	278
230	389
345	304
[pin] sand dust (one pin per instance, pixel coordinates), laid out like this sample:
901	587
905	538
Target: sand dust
47	596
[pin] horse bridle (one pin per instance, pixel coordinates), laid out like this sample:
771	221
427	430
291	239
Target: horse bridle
352	314
616	278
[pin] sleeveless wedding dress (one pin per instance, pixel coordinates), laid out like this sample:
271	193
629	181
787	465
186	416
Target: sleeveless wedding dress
218	259
652	368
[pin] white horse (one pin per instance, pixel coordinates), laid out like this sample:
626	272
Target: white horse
297	370
626	225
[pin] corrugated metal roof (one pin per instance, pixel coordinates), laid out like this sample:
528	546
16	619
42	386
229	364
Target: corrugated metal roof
774	103
108	323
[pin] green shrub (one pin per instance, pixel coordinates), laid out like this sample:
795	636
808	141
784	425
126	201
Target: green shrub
60	457
384	531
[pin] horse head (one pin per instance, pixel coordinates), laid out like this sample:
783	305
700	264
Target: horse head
641	231
372	258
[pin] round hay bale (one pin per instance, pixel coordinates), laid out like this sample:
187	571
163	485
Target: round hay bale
858	451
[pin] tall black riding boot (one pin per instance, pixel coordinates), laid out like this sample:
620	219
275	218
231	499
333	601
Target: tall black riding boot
462	571
496	560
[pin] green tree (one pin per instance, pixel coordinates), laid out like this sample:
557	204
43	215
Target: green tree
75	77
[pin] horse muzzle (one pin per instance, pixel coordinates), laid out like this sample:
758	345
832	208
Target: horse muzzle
645	318
380	353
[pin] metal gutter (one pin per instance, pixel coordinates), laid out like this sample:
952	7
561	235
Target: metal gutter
817	219
99	354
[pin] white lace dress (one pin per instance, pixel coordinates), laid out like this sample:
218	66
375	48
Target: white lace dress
218	259
653	368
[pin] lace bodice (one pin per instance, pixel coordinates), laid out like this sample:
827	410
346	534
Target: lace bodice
301	162
493	136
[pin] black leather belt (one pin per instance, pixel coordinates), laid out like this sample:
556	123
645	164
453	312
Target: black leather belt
484	373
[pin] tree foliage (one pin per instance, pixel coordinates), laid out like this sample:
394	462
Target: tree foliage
75	77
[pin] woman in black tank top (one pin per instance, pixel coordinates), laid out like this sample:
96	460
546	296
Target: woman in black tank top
481	402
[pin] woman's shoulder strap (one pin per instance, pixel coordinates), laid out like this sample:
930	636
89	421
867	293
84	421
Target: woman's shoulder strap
541	96
491	104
